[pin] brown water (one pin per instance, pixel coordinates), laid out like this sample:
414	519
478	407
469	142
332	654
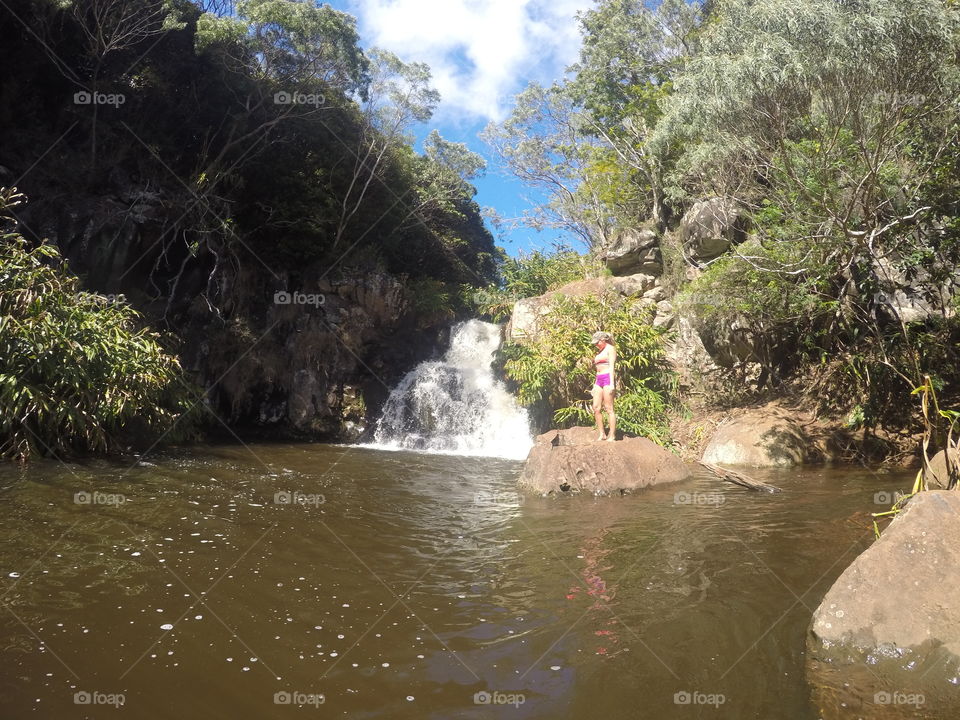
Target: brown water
413	584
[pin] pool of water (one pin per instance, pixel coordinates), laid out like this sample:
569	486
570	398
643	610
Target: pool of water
261	581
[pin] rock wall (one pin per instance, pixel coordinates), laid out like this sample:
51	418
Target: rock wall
310	352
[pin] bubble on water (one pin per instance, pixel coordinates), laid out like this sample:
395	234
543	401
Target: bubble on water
554	667
385	664
14	575
136	553
198	617
410	698
420	656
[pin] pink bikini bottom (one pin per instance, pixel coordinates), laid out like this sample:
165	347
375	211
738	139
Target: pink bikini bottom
603	380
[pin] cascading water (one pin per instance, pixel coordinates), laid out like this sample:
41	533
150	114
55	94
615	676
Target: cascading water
456	405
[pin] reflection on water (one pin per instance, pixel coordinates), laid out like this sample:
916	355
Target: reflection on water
227	582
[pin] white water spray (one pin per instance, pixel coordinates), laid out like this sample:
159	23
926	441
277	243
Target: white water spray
456	405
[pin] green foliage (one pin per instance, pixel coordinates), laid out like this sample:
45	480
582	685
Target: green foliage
74	368
531	274
534	273
557	369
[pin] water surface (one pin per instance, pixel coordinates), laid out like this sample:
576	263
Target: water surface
405	585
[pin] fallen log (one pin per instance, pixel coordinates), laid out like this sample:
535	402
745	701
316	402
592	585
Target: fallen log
739	478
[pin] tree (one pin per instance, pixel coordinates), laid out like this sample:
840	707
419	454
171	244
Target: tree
546	143
828	121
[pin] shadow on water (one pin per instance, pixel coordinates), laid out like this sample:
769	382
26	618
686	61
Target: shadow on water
223	582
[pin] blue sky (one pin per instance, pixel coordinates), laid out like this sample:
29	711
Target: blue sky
481	53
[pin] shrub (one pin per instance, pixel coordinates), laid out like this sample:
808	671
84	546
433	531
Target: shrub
74	368
557	369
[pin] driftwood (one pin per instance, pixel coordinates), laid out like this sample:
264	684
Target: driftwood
740	479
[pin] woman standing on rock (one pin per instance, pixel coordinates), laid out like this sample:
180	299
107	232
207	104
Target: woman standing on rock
602	391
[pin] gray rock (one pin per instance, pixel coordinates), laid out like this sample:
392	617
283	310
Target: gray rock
525	318
574	461
903	592
709	228
634	250
686	351
936	476
656	293
764	437
631	285
665	317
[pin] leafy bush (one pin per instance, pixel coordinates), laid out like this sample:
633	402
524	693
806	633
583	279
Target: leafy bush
532	274
557	368
74	370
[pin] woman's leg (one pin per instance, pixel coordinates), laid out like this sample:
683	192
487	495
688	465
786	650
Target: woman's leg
611	416
597	393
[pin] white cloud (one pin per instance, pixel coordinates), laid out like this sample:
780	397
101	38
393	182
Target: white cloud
481	52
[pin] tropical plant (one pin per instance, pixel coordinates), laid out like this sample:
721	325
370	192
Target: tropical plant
557	369
76	370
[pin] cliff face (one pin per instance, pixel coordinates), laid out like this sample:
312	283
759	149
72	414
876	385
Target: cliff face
310	352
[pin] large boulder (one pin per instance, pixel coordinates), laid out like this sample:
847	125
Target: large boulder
525	319
634	250
529	313
936	476
574	461
903	592
710	227
763	437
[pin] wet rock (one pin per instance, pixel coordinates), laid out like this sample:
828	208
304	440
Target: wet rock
574	461
903	593
763	437
709	228
634	250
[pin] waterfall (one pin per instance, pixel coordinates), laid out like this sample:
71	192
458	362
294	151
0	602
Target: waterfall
456	405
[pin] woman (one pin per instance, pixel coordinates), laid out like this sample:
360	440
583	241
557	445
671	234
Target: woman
602	391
